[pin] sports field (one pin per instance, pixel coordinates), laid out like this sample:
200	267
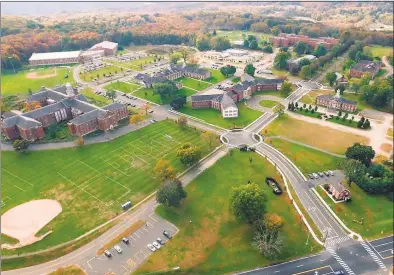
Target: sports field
34	79
210	240
93	181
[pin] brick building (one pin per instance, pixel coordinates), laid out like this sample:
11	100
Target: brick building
59	104
219	99
336	102
286	40
365	66
338	191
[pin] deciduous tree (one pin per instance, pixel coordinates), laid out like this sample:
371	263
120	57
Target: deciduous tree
363	153
210	138
285	89
250	69
182	121
164	171
171	194
135	119
189	154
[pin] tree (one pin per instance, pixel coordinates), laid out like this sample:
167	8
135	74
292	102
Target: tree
146	107
178	102
32	105
366	124
165	89
253	45
210	138
29	91
268	241
79	141
189	154
331	78
320	50
300	47
250	69
285	90
214	33
268	49
275	30
174	58
304	62
220	43
305	72
246	43
280	61
363	153
365	79
353	169
247	202
135	119
273	221
184	53
341	88
203	43
164	171
111	94
182	121
171	194
228	70
20	145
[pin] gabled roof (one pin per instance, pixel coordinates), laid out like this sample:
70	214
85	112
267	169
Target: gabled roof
338	186
227	102
367	66
113	107
204	97
105	45
98	113
268	81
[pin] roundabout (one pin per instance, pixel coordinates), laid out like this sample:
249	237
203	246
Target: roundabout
241	137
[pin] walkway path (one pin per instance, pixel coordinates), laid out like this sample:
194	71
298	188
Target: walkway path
388	66
306	145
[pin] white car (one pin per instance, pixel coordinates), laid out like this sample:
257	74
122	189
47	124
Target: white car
331	173
151	247
157	245
118	249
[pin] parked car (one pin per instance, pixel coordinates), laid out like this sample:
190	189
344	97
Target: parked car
152	121
326	173
118	249
321	174
125	240
151	247
274	185
315	175
339	272
311	176
167	234
150	111
160	241
107	254
156	245
331	173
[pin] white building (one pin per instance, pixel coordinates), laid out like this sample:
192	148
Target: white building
228	107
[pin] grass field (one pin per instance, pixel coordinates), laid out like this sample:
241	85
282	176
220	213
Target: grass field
270	92
310	98
147	93
19	83
213	116
268	103
376	210
132	64
94	180
306	159
94	98
313	134
99	73
70	270
122	86
193	83
241	35
216	77
214	243
381	51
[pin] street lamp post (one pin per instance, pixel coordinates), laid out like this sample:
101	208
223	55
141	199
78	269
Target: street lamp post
10	58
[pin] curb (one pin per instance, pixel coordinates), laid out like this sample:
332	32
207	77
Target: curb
293	202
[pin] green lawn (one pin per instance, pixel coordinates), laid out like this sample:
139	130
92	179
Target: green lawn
345	122
270	92
95	99
236	80
132	64
147	93
214	242
193	83
307	113
92	181
381	51
122	86
216	77
213	116
376	210
268	103
306	159
99	73
242	35
20	83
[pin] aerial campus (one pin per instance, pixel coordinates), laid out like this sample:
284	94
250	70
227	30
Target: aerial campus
197	138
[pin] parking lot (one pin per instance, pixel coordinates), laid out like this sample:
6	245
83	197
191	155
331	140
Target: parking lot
134	253
320	180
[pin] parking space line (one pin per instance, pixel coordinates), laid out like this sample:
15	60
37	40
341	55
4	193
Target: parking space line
133	237
145	229
150	216
149	224
131	263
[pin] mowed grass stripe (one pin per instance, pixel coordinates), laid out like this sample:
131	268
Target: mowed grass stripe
91	182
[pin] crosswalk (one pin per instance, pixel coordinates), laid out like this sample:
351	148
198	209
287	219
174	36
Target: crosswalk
334	241
340	261
373	255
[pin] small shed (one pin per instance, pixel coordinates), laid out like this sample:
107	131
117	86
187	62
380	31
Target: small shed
338	191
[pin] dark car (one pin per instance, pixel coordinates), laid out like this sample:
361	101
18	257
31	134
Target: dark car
125	240
107	253
274	185
311	176
167	234
243	148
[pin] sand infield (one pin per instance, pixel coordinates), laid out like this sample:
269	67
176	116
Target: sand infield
25	220
34	75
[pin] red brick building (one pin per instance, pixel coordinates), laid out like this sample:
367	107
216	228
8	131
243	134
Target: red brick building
286	40
62	104
336	103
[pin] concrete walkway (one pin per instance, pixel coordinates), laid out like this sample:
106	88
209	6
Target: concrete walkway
388	66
